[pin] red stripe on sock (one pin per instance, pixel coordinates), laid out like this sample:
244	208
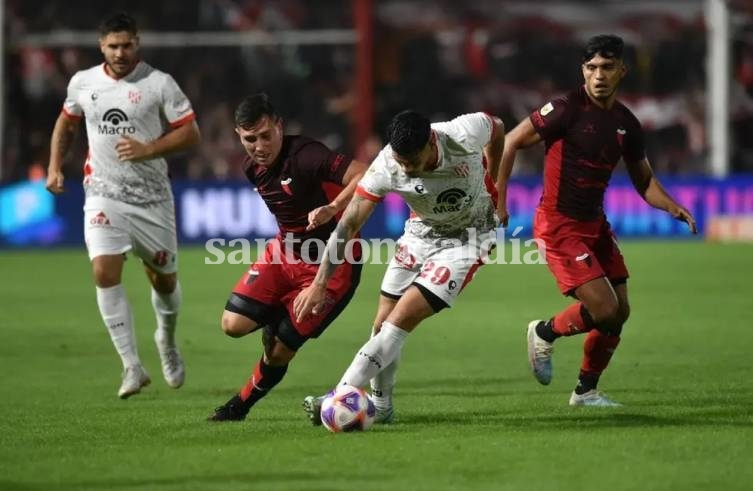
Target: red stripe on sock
597	351
252	382
570	321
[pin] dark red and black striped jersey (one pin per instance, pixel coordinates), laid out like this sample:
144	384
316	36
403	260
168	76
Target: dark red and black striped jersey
305	176
584	143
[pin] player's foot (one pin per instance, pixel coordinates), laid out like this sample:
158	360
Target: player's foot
312	406
134	378
592	398
539	354
232	410
385	416
172	364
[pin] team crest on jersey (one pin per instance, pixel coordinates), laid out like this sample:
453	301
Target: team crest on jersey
546	109
134	96
285	183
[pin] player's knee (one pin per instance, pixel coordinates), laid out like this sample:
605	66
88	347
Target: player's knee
623	313
165	283
236	326
105	278
605	313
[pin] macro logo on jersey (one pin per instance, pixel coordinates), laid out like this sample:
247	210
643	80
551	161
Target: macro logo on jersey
114	123
450	200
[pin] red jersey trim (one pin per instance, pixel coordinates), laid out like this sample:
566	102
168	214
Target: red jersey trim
70	115
184	120
494	126
365	194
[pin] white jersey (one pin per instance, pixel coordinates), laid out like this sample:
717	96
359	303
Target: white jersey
450	199
143	105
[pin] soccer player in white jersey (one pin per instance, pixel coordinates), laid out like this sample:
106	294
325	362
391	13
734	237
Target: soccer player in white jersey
441	172
134	115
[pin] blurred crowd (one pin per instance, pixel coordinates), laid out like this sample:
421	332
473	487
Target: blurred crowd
441	57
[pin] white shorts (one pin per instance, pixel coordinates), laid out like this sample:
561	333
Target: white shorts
441	267
113	227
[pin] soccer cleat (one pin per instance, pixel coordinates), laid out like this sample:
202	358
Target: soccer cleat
172	364
592	398
539	354
385	416
312	406
134	378
232	410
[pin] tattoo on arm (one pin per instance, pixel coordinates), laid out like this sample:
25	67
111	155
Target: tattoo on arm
355	215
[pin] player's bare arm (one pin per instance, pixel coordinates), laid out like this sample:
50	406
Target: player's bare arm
651	190
324	214
522	136
493	149
63	136
181	138
312	297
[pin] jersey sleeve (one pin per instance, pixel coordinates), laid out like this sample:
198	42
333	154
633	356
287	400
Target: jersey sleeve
71	107
315	158
550	121
473	131
175	104
376	182
635	147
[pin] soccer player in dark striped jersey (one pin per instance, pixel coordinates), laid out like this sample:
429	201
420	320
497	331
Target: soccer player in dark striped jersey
586	133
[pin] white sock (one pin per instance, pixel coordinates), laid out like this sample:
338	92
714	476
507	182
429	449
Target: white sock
375	355
383	383
116	313
166	307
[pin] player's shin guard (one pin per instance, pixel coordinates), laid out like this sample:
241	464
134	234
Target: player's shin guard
264	378
383	383
374	356
597	351
117	316
575	319
166	307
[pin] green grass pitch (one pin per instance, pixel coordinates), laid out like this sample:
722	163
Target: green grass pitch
470	415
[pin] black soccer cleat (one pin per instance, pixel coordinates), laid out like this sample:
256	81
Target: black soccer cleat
233	410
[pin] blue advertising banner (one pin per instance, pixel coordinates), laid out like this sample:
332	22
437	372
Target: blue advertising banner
30	216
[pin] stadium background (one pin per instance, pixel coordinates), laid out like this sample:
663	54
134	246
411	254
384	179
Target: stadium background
469	414
338	70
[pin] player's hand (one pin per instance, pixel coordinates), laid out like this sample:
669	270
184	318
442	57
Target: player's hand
55	182
320	216
682	214
309	301
502	214
130	149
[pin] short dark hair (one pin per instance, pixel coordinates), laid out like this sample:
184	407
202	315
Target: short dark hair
409	132
606	45
118	22
252	109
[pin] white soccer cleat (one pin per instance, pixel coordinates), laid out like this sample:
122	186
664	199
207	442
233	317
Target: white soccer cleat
134	378
592	398
173	369
385	416
539	354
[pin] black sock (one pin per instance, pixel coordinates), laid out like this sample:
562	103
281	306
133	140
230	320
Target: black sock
587	381
544	331
264	378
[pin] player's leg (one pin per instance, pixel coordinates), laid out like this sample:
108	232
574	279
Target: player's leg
156	244
107	237
266	374
166	300
384	383
574	265
442	277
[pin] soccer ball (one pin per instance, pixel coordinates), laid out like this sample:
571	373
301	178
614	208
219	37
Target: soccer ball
347	408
